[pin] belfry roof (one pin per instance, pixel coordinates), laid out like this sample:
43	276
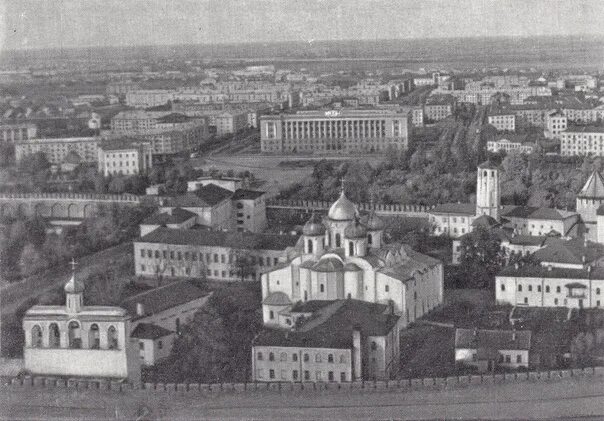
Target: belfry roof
594	187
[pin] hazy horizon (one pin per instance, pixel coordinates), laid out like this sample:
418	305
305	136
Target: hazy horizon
67	24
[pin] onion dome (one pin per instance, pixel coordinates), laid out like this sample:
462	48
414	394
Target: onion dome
355	230
74	286
314	226
374	222
342	209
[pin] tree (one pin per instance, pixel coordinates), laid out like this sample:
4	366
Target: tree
104	288
34	163
117	185
481	257
32	260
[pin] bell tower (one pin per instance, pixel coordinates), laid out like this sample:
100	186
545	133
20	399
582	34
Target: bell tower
488	193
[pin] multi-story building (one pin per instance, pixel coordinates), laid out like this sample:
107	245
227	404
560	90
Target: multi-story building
125	157
215	255
17	132
502	120
56	150
249	209
334	341
371	130
230	122
79	341
569	273
555	123
148	98
511	143
157	316
439	107
582	140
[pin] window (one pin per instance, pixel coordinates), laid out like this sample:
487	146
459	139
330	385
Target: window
294	357
179	255
271	356
508	359
330	358
112	337
342	376
519	358
160	345
555	301
306	375
260	356
530	288
503	287
141	346
547	288
538	288
557	289
519	287
295	375
525	300
373	346
597	291
142	253
337	240
271	315
306	358
271	373
322	288
387	288
36	337
330	376
318	375
177	326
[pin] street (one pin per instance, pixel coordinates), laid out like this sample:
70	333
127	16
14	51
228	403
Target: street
564	399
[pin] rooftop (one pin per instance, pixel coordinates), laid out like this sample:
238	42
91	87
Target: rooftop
233	240
570	252
594	187
538	271
455	208
163	298
493	339
331	326
207	196
243	194
177	216
149	331
585	129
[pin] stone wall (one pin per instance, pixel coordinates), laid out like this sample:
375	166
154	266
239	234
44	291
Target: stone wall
420	211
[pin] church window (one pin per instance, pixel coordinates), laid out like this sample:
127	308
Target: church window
503	287
179	255
555	301
387	288
338	240
260	356
94	341
271	356
310	246
322	288
306	358
112	337
351	248
330	376
75	340
283	356
54	336
330	358
369	239
271	315
36	337
558	289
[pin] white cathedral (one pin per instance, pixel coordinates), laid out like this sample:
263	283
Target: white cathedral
344	257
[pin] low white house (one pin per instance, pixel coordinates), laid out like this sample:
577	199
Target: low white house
488	349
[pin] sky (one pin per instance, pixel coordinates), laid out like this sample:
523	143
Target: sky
39	24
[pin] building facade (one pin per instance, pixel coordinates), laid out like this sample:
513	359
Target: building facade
488	350
335	131
127	158
582	140
56	150
17	132
503	121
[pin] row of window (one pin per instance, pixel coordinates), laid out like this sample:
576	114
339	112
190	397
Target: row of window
507	358
283	357
208	257
295	375
547	288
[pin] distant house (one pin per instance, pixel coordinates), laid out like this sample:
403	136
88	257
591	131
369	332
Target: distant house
488	349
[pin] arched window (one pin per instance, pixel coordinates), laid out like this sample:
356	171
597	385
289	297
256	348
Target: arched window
271	356
330	358
597	291
112	338
310	246
351	248
94	340
36	337
54	336
75	339
338	240
369	239
306	358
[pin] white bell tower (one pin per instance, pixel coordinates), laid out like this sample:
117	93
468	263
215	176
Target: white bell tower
488	193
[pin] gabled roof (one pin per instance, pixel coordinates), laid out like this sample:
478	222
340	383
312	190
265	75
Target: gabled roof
163	298
493	339
486	221
178	216
570	251
149	331
207	196
538	271
277	299
488	165
594	187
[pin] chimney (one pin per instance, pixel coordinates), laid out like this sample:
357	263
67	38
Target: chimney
140	309
356	354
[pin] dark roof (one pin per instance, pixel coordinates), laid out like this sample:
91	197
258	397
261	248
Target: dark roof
594	187
173	118
277	299
162	298
570	251
585	129
518	211
235	240
440	99
538	271
207	196
458	208
488	165
331	326
530	212
243	194
178	216
149	331
484	221
310	306
493	339
527	240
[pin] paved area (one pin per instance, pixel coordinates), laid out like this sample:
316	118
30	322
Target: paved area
565	399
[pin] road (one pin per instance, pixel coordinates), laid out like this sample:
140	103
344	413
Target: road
564	399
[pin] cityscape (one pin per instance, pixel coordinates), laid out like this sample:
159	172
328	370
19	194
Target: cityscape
318	217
